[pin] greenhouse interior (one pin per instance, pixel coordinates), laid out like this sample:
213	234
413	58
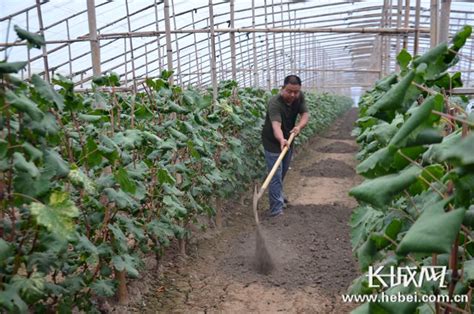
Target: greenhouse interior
236	156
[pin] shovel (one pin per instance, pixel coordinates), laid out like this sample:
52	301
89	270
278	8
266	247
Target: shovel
263	259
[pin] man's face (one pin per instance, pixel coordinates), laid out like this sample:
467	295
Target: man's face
290	92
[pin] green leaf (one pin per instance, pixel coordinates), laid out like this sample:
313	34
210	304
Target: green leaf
391	231
103	287
24	183
367	254
24	104
34	40
47	92
92	153
380	191
468	270
165	177
126	184
403	59
58	215
393	99
363	221
434	231
432	55
33	152
174	207
3	148
122	199
11	300
459	39
418	117
5	250
55	162
89	117
125	262
21	164
11	67
460	153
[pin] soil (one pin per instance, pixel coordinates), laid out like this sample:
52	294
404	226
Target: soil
337	147
309	245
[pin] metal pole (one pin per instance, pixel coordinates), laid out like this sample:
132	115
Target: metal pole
69	47
406	20
254	44
178	73
444	21
95	46
434	14
131	48
232	41
45	51
213	52
267	56
196	50
169	49
417	26
160	63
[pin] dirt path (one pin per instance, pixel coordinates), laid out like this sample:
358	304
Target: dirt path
309	244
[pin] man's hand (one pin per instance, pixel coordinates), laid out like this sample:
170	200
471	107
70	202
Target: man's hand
296	130
283	144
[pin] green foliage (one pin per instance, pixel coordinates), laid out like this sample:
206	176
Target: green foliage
100	179
418	192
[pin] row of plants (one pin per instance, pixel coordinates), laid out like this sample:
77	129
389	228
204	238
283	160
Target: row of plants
416	204
90	183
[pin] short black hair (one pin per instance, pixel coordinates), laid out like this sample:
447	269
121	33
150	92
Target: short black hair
292	79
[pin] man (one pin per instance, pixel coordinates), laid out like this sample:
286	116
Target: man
280	121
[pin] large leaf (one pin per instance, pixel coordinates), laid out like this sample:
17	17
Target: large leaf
363	221
125	262
21	164
11	67
24	104
11	300
55	162
126	184
380	191
47	92
434	231
418	117
461	153
103	287
34	40
58	216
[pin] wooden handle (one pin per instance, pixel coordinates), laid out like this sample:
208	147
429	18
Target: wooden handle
276	165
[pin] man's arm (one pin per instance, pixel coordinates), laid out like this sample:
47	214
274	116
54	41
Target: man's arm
278	133
304	117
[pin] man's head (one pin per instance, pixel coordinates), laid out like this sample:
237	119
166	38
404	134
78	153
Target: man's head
291	88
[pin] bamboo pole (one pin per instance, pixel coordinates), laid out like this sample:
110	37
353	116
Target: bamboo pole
195	47
434	15
95	47
399	24
69	46
44	50
169	49
126	61
158	36
232	41
254	50
178	77
406	22
282	38
213	52
417	25
132	58
267	55
291	41
275	77
444	21
221	60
